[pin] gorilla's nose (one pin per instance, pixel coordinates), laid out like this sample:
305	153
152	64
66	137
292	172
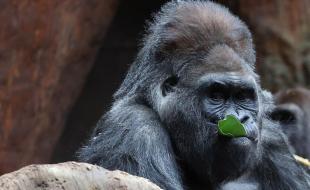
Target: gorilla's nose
242	117
248	123
249	126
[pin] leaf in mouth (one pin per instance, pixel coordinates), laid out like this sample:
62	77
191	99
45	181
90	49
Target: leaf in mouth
231	127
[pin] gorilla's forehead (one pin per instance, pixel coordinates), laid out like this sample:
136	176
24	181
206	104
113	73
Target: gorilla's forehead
220	59
223	58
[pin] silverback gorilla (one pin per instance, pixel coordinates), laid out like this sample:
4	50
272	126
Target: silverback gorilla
195	67
293	112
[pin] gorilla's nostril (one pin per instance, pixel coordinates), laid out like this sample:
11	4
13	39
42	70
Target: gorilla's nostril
244	119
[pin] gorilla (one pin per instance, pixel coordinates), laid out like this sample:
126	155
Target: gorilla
293	112
195	67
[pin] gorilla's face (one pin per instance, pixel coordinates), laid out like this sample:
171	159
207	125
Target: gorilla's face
208	89
230	94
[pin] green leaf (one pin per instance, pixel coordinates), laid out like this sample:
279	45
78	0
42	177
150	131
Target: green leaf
231	126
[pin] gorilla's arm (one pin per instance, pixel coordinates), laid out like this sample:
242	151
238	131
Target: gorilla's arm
131	138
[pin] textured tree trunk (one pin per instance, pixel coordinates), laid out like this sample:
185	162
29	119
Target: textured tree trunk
281	31
46	50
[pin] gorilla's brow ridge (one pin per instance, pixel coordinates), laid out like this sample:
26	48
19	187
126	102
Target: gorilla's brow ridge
224	78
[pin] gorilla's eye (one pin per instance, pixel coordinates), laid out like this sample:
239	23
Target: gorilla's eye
245	95
283	116
216	92
216	95
169	84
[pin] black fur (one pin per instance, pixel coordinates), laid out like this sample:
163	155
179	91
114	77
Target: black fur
159	126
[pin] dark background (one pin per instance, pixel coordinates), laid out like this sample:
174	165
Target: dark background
118	51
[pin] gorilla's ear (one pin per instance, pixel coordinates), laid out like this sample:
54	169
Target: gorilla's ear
169	85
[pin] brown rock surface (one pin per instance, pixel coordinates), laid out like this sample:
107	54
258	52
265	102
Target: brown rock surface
46	51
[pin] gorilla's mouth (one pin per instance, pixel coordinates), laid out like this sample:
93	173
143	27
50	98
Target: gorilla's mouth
250	128
251	133
226	138
231	127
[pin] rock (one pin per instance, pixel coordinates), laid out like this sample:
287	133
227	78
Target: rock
72	176
46	51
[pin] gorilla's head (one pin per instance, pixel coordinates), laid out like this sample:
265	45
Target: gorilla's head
292	112
195	68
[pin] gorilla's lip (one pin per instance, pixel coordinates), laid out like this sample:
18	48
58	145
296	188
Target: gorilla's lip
251	133
245	137
241	142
